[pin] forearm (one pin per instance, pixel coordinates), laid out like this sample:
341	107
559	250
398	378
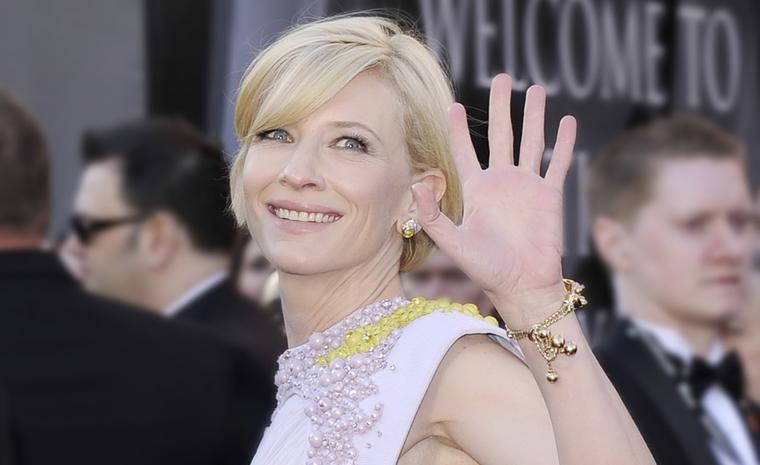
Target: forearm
591	425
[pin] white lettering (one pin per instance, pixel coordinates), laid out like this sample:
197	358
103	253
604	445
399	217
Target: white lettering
575	85
532	51
447	30
722	99
621	70
653	52
484	33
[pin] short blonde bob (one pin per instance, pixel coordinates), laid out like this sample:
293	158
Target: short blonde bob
310	63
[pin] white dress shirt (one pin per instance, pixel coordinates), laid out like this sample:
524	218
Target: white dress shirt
193	293
716	402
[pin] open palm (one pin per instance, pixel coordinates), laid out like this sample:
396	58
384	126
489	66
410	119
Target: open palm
510	238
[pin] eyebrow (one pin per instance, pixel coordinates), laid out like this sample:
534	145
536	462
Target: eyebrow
355	124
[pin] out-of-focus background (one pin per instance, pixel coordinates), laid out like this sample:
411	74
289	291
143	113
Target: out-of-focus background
685	70
611	64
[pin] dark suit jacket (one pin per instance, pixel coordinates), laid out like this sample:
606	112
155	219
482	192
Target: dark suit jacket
673	431
224	310
86	381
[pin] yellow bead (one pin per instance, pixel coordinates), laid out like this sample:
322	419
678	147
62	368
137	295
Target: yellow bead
471	309
558	341
491	320
353	338
552	377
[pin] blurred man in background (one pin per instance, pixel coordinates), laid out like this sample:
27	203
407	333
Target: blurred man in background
672	219
87	381
438	276
250	269
153	228
743	336
255	278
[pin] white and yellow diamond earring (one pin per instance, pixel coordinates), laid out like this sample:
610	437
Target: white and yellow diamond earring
409	228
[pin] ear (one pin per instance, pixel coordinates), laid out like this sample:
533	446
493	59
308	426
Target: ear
434	179
611	240
159	240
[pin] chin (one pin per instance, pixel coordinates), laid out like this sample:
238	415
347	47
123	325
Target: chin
722	312
292	262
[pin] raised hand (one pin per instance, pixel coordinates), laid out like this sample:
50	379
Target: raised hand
510	238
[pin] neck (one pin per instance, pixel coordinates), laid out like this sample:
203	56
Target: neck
313	303
184	273
634	301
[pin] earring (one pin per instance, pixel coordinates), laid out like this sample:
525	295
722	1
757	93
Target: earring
409	228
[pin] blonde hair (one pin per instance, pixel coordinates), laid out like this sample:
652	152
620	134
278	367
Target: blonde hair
311	63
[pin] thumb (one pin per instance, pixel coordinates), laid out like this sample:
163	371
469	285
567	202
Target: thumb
436	224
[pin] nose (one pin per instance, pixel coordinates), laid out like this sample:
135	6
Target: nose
302	170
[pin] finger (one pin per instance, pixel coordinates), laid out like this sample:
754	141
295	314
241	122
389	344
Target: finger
461	144
532	143
437	225
563	152
500	139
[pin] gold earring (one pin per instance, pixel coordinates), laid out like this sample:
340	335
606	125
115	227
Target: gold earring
409	228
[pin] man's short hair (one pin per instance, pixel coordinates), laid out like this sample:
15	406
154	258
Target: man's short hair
24	170
622	174
167	165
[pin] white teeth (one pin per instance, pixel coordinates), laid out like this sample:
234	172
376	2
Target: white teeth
306	217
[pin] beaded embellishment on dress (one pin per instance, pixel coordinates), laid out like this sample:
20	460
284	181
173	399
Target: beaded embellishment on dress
333	372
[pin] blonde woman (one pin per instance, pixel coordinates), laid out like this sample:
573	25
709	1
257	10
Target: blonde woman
354	161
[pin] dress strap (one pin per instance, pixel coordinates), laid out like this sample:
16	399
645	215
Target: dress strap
411	366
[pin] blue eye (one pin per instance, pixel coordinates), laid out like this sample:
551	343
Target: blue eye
352	143
275	134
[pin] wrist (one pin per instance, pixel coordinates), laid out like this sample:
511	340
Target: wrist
521	310
543	335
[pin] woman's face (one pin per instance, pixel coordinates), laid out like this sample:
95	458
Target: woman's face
327	192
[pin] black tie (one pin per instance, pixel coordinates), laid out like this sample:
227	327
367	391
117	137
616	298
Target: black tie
727	374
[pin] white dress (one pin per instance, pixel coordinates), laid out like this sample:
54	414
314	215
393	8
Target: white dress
356	404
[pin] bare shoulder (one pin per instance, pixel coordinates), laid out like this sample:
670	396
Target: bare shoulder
477	368
484	401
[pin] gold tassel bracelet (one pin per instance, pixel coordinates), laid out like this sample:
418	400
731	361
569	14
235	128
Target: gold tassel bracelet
548	344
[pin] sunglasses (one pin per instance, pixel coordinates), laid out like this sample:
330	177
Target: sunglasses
86	228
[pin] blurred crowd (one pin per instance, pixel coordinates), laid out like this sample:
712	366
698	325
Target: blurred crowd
149	332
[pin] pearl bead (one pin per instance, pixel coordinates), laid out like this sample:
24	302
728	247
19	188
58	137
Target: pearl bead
310	409
324	404
316	341
315	439
325	379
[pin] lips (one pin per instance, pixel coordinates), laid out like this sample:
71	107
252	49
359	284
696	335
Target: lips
307	217
725	280
303	213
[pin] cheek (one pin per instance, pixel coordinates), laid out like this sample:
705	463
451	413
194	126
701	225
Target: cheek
668	259
377	196
258	172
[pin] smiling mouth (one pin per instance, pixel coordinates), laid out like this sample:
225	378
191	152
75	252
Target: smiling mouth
303	216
